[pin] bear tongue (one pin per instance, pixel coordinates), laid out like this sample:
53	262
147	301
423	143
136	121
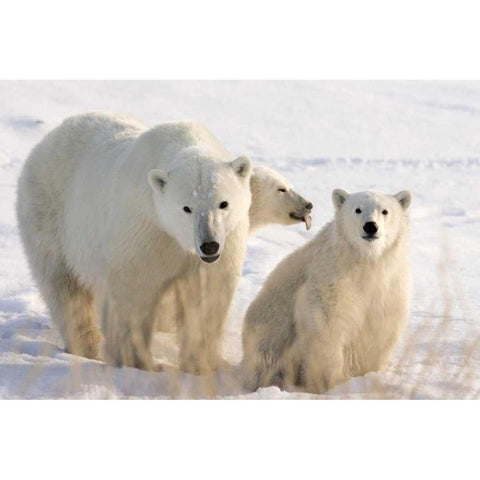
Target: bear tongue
308	221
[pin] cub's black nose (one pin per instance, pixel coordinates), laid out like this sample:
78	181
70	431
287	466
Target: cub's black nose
209	248
309	206
371	228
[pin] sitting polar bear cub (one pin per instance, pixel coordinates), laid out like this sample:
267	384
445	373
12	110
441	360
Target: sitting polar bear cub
111	212
334	308
273	201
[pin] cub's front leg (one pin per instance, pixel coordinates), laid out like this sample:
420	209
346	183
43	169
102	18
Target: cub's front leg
323	366
319	345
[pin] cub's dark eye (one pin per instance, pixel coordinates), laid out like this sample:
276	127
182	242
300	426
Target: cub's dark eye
283	190
223	205
385	212
358	210
187	209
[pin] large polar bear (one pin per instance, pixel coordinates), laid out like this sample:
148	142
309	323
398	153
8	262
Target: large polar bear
110	212
273	201
334	308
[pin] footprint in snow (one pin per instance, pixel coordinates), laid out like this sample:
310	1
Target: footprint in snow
25	122
454	211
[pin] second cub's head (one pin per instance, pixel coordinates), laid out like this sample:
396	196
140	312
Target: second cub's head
371	221
275	201
201	200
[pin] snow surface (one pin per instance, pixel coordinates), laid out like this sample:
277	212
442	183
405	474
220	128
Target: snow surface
389	136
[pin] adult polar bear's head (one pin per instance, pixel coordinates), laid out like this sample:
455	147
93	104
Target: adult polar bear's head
275	201
201	199
371	221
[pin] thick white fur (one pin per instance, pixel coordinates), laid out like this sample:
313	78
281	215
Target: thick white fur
273	202
100	209
270	204
334	308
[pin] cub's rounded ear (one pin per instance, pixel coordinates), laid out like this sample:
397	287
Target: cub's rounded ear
242	166
339	197
405	198
157	179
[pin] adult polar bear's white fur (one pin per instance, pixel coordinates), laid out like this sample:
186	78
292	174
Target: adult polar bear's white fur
110	212
273	201
334	308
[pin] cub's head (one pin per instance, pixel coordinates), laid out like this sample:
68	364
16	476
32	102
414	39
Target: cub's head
274	200
371	221
201	200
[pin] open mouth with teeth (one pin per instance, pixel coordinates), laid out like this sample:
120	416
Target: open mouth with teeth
370	238
302	218
210	259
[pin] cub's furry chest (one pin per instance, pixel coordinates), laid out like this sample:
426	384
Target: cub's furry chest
353	300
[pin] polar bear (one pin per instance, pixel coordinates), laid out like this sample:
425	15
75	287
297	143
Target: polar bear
334	308
273	201
110	212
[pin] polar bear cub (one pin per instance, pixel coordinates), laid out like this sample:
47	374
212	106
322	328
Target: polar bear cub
336	307
110	212
274	201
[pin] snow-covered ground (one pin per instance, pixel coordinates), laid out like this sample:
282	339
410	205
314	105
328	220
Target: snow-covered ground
389	136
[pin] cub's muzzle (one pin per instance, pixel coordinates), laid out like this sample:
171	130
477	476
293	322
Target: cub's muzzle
303	214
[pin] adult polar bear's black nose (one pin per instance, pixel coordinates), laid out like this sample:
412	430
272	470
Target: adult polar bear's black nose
209	248
371	228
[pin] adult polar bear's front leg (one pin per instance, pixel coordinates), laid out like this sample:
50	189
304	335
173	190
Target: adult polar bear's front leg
127	322
132	291
206	294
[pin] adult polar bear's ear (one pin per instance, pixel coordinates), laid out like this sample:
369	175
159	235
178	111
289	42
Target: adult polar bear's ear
339	197
405	198
157	179
242	166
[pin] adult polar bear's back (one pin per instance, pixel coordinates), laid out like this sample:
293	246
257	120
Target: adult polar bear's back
69	165
89	201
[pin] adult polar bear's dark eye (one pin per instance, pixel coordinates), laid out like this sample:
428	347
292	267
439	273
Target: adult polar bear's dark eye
385	212
283	190
187	209
358	210
223	205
